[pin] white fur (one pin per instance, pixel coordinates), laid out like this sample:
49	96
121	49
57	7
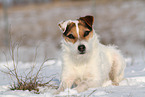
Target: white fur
91	69
77	28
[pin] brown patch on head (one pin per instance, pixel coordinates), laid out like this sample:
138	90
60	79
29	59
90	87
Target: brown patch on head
84	27
70	34
85	32
89	20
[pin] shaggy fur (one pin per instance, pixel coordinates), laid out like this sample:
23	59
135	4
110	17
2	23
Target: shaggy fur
99	64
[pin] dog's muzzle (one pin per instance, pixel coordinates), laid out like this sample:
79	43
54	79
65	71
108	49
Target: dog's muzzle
82	49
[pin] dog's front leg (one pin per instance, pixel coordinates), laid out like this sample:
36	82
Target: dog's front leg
65	83
88	84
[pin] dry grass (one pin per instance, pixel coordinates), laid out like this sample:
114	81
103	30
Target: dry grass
30	80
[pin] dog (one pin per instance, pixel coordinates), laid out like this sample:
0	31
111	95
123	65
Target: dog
86	63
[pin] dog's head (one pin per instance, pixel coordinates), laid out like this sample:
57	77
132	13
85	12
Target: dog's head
77	34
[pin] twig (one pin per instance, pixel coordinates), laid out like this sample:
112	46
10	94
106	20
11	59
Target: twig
92	93
35	78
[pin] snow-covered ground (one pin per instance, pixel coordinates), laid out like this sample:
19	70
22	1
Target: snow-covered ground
132	86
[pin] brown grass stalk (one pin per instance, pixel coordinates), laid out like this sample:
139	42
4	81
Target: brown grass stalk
31	81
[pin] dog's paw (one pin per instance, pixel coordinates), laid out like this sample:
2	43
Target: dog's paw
56	92
115	84
80	89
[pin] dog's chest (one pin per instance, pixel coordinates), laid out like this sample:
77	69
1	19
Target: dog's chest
84	71
80	70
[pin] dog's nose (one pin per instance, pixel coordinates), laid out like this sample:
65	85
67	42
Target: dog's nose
82	49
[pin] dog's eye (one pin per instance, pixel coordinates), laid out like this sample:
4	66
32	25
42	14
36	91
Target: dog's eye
86	33
71	36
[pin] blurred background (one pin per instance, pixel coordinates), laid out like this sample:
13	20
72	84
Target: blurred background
33	23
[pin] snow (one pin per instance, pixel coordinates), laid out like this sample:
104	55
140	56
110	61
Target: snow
132	86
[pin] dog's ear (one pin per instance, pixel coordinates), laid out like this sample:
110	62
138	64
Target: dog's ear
89	20
63	25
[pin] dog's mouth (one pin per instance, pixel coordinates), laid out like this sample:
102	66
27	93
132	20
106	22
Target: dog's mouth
82	52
